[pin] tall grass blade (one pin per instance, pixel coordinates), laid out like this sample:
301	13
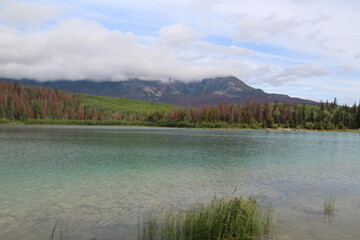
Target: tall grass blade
329	208
236	218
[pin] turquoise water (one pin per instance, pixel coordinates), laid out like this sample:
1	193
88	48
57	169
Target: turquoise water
99	180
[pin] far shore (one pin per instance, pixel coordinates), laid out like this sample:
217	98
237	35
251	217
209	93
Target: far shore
126	125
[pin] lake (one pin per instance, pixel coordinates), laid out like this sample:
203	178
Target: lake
99	180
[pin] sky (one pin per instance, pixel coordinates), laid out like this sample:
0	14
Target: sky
302	48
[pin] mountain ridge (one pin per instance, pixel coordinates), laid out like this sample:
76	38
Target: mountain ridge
208	91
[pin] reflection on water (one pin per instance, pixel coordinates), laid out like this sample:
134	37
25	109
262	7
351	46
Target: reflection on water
101	179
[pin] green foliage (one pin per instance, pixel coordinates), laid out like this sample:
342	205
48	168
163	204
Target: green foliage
89	122
124	106
358	116
329	208
38	105
2	112
4	120
185	124
23	103
237	218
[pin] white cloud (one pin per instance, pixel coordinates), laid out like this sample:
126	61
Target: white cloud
77	49
291	42
322	29
278	76
178	35
26	15
259	30
223	51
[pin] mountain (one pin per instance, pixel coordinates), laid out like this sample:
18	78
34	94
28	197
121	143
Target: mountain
207	91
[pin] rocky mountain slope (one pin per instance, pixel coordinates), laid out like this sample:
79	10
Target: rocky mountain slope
207	91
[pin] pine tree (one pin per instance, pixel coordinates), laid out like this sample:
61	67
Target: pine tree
285	115
276	113
259	115
334	104
268	119
2	112
358	116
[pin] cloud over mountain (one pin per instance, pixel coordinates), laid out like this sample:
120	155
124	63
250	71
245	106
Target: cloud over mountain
76	49
273	44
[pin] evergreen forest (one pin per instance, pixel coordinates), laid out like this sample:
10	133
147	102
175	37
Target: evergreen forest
39	105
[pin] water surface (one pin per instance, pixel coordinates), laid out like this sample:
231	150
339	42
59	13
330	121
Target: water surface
99	180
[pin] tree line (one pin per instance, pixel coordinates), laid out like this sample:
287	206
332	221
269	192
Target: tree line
20	103
31	104
23	103
324	116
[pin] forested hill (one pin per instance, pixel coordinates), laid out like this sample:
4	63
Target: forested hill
29	104
20	103
197	93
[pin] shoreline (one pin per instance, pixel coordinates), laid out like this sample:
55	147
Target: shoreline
228	128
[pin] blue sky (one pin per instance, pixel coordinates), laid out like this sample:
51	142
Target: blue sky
305	49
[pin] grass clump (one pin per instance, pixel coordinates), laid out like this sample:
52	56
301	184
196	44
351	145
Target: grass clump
237	218
329	208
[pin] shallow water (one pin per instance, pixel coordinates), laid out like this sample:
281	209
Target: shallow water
99	180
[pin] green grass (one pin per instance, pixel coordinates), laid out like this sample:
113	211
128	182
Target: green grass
237	218
121	105
4	121
88	122
329	208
